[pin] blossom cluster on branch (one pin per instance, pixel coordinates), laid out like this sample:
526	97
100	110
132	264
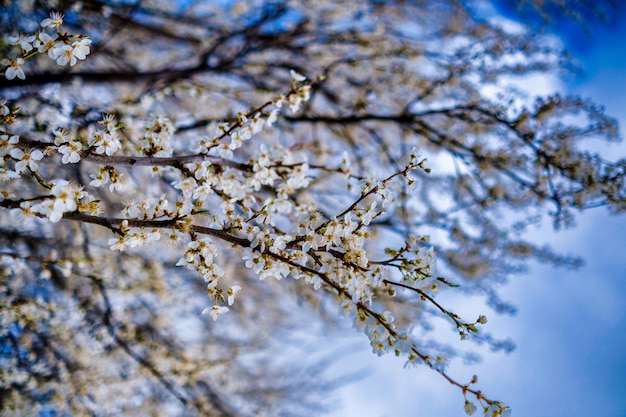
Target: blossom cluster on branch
260	206
61	47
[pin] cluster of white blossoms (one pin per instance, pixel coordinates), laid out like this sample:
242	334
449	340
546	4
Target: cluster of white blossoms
157	134
64	197
260	204
105	140
60	47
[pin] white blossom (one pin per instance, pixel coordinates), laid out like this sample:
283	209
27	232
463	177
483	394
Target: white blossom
13	68
99	180
295	100
296	77
81	48
64	54
186	185
71	152
256	262
232	293
4	109
215	311
118	244
105	142
5	143
26	160
24	41
46	43
54	21
273	116
440	363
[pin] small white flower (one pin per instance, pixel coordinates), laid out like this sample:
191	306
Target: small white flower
134	210
81	48
221	128
153	236
54	21
280	243
5	143
295	77
387	317
276	270
64	54
46	43
71	152
13	68
186	186
23	213
24	41
26	159
118	243
108	121
256	124
60	136
215	311
368	215
232	292
224	150
295	100
105	142
99	180
271	119
4	109
379	347
440	363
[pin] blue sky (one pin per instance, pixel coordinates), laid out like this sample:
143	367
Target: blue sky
570	329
